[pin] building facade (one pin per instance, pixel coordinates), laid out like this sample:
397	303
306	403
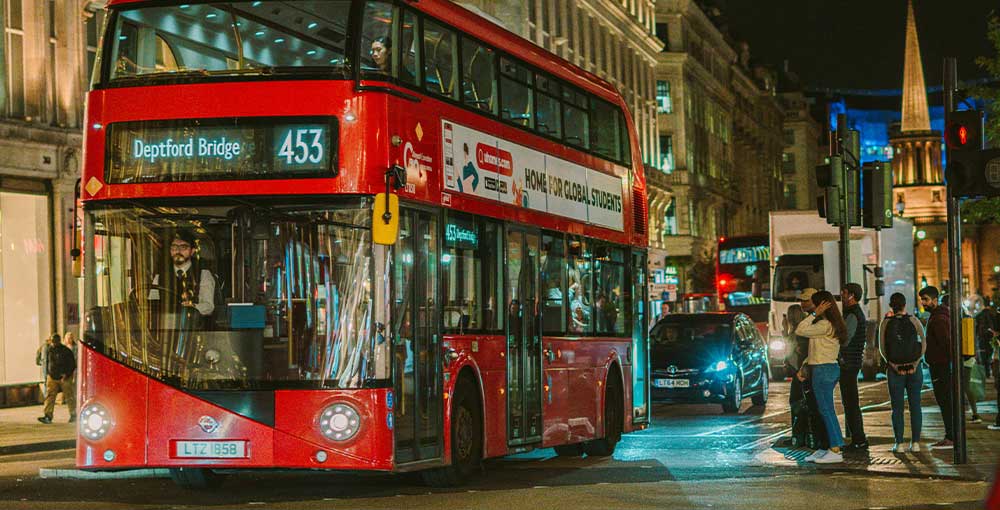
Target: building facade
720	139
613	39
801	136
46	52
918	178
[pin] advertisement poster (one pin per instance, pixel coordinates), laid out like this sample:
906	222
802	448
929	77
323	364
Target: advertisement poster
485	166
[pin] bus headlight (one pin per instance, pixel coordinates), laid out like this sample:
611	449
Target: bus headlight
339	422
95	421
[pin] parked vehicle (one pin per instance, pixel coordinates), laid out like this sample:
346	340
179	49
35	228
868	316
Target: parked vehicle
708	358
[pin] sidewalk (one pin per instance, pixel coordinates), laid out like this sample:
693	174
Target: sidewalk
20	431
983	446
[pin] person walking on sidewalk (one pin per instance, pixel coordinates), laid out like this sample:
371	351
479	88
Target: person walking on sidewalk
827	332
60	366
901	343
938	357
851	358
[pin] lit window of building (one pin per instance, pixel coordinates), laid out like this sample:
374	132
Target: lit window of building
667	153
663	102
14	39
670	218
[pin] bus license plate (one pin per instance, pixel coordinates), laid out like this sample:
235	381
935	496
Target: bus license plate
211	449
672	383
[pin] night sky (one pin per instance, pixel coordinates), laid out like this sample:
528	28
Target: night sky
859	43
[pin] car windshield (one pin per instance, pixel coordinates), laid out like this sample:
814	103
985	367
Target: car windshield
233	296
192	40
691	334
792	276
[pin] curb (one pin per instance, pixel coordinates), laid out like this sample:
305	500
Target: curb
77	474
65	444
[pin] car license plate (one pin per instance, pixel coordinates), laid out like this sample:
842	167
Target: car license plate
210	449
672	383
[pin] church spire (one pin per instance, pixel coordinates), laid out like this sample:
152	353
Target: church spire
915	114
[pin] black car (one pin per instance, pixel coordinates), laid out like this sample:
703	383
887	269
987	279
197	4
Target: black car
708	357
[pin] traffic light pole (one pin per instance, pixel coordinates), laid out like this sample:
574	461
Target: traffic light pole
955	277
844	245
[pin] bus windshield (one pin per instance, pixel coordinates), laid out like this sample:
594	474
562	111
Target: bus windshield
234	296
793	273
192	40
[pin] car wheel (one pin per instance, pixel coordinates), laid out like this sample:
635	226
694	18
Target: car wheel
735	396
761	398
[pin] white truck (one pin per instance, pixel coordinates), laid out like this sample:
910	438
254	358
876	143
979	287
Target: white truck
804	253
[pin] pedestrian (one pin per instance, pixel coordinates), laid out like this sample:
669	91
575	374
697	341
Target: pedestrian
902	345
827	333
60	366
996	376
69	340
806	420
851	358
664	311
985	325
938	358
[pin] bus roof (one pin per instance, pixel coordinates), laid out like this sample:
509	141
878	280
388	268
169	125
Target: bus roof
505	40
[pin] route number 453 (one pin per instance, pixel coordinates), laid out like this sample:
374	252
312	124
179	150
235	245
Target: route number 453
301	146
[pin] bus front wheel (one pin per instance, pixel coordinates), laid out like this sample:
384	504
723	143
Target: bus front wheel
196	478
614	405
466	440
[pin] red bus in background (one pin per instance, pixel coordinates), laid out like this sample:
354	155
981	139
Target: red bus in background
743	277
238	312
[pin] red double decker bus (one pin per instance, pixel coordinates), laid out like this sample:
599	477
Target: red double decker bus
252	300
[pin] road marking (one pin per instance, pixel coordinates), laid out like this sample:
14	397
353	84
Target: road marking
771	415
765	440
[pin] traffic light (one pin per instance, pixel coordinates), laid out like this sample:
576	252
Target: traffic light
971	171
852	171
876	183
829	177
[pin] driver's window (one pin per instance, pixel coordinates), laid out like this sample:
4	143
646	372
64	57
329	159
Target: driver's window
377	45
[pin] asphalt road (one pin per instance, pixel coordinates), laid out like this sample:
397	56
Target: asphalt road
692	457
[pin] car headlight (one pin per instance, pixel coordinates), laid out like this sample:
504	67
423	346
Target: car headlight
718	366
339	422
95	421
777	345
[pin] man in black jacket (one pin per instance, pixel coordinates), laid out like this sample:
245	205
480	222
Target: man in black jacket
851	358
60	366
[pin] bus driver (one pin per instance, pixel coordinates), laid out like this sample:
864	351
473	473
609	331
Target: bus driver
181	289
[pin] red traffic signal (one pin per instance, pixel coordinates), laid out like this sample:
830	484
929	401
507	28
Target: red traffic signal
965	130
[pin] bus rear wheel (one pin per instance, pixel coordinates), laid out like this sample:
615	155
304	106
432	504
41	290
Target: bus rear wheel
196	478
466	440
614	404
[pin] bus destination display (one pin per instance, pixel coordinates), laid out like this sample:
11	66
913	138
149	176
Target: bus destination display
221	149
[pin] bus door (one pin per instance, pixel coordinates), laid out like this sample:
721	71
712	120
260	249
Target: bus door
416	344
524	341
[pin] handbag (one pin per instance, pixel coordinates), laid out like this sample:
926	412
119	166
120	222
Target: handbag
977	383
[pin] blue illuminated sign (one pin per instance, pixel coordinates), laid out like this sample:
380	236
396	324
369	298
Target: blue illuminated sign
212	149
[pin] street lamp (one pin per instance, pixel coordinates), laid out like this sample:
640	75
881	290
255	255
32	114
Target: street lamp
921	234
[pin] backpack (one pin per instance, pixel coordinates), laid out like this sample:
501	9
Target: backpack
902	344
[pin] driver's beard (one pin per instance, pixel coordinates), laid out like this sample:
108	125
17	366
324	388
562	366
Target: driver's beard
179	260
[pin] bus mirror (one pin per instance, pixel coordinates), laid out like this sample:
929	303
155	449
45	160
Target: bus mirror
385	219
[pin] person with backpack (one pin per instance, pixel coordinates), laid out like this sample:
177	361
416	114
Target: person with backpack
60	366
827	333
902	345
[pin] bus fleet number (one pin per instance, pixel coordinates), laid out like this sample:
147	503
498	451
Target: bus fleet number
301	146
